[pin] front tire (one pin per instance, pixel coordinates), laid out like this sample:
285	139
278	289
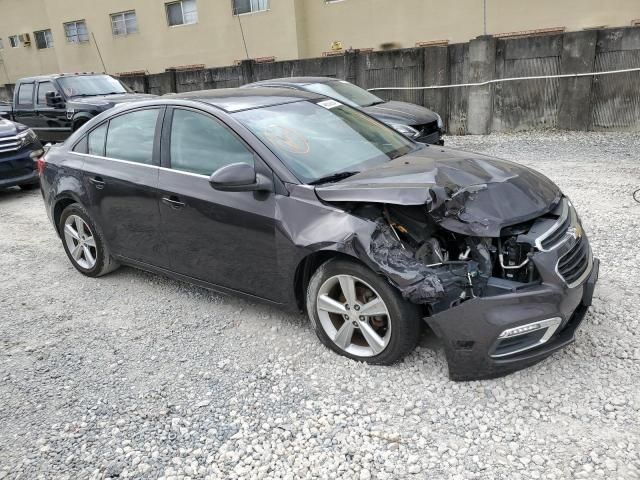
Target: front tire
83	242
359	315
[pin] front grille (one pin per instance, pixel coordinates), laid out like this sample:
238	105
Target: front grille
556	230
575	262
427	128
9	144
555	236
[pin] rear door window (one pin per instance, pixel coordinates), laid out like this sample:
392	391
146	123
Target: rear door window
131	136
25	94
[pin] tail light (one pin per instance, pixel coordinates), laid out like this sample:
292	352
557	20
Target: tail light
40	164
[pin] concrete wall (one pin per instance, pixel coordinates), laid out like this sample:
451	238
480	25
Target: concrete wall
289	30
609	102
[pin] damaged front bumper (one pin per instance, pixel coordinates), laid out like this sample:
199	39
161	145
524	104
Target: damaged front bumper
471	332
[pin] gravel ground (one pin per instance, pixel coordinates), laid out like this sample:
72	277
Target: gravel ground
135	375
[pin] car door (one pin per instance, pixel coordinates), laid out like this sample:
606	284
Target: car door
223	238
23	106
121	176
50	123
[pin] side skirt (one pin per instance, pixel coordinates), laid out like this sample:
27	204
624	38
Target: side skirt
194	281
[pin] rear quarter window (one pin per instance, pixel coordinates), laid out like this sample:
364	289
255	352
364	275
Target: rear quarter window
96	139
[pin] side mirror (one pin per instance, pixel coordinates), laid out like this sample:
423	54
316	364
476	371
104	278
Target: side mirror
239	177
53	99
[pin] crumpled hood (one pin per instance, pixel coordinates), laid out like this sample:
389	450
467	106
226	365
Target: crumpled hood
7	128
106	101
465	192
401	112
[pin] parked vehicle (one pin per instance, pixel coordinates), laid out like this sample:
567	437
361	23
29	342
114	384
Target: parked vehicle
300	201
5	109
54	106
414	121
19	149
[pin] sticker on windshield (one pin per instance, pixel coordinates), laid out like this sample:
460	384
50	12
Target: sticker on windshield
328	104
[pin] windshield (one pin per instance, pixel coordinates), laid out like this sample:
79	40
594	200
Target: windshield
90	85
317	140
345	92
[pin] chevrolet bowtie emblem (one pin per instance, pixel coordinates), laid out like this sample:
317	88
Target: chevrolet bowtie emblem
576	232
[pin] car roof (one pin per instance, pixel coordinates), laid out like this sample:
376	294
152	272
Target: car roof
294	81
53	76
237	99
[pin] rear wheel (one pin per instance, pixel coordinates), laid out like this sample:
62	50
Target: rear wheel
83	242
358	314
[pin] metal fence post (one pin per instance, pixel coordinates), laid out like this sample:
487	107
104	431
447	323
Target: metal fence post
482	67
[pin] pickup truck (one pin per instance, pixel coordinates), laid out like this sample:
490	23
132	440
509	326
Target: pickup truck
54	106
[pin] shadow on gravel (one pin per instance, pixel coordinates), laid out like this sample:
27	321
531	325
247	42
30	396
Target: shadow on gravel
15	192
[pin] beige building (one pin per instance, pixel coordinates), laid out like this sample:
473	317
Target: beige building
44	36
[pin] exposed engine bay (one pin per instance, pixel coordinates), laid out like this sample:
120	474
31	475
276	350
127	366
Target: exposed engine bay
442	268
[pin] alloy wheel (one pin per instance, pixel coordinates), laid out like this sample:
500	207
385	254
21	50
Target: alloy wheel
80	242
354	316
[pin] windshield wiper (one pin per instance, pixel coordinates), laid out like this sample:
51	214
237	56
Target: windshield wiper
334	177
96	94
377	102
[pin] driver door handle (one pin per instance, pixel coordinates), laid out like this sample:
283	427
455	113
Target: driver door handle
173	202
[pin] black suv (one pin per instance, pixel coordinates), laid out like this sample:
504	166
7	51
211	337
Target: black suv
54	106
19	149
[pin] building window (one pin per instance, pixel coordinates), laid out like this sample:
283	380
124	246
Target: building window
249	6
13	41
44	39
124	23
76	32
1	44
184	12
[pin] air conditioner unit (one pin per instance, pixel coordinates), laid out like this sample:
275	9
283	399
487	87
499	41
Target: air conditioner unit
25	39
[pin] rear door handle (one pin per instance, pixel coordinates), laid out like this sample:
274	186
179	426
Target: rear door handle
98	182
173	202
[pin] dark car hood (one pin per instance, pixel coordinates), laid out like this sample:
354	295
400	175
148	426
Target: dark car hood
467	193
401	112
7	128
106	101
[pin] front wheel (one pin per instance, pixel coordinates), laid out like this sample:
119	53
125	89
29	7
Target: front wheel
358	314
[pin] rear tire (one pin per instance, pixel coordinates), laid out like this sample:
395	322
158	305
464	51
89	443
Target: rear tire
84	243
376	325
